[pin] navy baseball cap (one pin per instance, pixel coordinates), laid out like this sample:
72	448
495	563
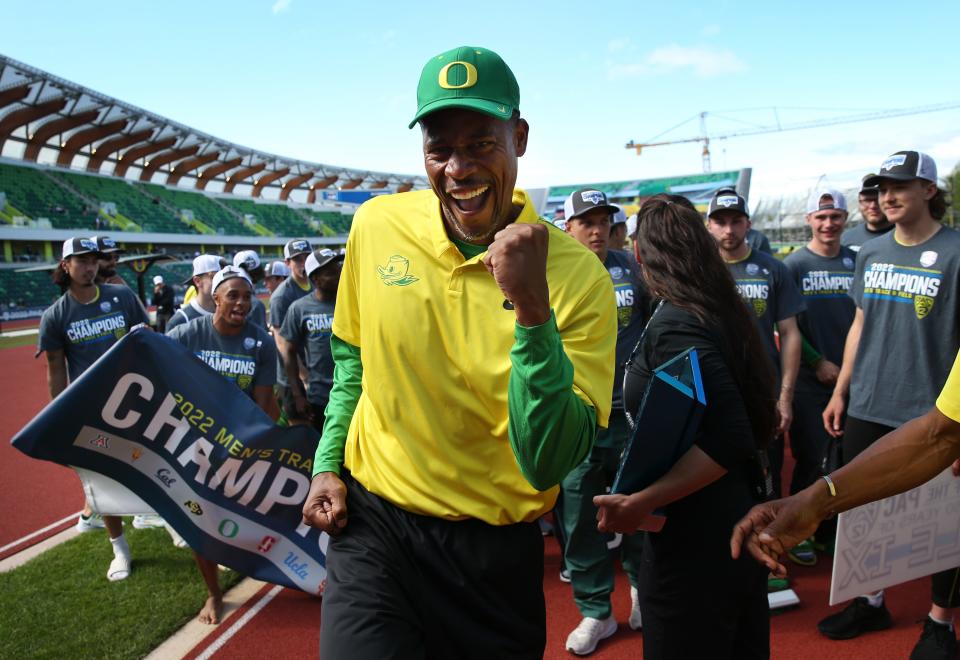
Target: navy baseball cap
295	247
904	166
106	245
727	199
587	199
74	247
320	258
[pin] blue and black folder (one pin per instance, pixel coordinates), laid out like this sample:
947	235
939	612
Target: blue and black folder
665	426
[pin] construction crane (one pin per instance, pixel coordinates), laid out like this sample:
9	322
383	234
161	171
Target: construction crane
849	119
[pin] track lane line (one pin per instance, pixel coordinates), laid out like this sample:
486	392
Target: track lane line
29	536
220	641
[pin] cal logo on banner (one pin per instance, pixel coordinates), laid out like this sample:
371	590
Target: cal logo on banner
194	448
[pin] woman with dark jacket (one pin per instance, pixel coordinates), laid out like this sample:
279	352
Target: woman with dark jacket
695	600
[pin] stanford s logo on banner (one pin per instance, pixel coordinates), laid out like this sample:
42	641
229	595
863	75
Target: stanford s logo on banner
195	449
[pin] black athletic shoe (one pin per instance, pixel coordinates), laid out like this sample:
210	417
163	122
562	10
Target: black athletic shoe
856	618
937	642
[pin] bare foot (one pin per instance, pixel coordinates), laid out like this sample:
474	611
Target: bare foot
210	614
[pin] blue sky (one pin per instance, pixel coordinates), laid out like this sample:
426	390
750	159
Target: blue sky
335	82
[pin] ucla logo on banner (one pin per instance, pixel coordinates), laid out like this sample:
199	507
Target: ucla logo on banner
299	569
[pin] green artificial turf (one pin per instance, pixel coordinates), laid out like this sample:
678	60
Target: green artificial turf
61	605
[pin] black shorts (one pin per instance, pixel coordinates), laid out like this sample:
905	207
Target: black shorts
407	587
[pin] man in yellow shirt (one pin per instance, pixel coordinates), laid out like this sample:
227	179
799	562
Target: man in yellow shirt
474	353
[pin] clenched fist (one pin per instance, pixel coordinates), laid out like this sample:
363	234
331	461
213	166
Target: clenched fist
517	259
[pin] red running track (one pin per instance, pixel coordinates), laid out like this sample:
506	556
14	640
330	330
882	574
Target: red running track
34	493
288	626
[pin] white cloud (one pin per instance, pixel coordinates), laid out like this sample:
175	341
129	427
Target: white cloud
618	44
702	61
281	6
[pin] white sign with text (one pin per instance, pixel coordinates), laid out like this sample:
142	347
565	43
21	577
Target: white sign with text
897	539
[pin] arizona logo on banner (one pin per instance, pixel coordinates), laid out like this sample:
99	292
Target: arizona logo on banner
153	417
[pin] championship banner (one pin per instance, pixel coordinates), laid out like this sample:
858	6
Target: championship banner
897	539
153	417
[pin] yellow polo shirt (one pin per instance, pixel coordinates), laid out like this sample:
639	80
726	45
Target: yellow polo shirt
429	433
949	400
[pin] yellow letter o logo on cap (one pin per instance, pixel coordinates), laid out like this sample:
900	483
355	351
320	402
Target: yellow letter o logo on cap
471	76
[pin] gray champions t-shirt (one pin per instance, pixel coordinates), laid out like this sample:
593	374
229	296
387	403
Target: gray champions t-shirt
249	359
258	312
770	293
187	313
855	237
911	326
86	331
280	301
825	285
632	307
308	324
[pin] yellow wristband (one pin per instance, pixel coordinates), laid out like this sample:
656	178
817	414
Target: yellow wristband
833	489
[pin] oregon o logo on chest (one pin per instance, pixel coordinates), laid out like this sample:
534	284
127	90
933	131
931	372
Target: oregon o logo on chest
469	82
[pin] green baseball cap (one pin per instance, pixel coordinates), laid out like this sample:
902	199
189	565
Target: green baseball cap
467	77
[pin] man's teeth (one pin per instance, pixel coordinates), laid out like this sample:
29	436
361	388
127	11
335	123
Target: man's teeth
470	195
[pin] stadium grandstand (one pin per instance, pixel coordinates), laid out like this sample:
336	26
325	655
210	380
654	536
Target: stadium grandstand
76	161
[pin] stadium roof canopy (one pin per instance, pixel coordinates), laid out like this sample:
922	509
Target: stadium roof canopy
88	129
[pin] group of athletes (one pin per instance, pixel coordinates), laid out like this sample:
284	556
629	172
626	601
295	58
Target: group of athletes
221	318
483	368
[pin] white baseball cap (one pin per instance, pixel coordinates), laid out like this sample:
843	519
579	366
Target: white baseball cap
632	225
278	269
247	259
229	273
158	279
825	199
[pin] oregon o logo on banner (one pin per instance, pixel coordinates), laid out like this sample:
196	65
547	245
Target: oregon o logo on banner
139	266
471	76
228	528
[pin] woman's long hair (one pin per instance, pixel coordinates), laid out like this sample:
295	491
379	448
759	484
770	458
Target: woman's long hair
681	264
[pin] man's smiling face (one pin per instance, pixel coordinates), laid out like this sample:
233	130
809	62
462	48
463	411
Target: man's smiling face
471	161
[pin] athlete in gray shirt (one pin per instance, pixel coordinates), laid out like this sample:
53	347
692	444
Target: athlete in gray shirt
242	353
74	332
897	356
307	329
586	558
823	272
767	288
296	286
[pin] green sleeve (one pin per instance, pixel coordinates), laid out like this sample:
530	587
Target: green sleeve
551	428
808	354
347	375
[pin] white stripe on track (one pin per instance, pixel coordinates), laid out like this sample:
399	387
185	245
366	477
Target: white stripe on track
38	532
220	641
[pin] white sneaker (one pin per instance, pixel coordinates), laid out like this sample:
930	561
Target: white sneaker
145	521
89	524
584	638
634	621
